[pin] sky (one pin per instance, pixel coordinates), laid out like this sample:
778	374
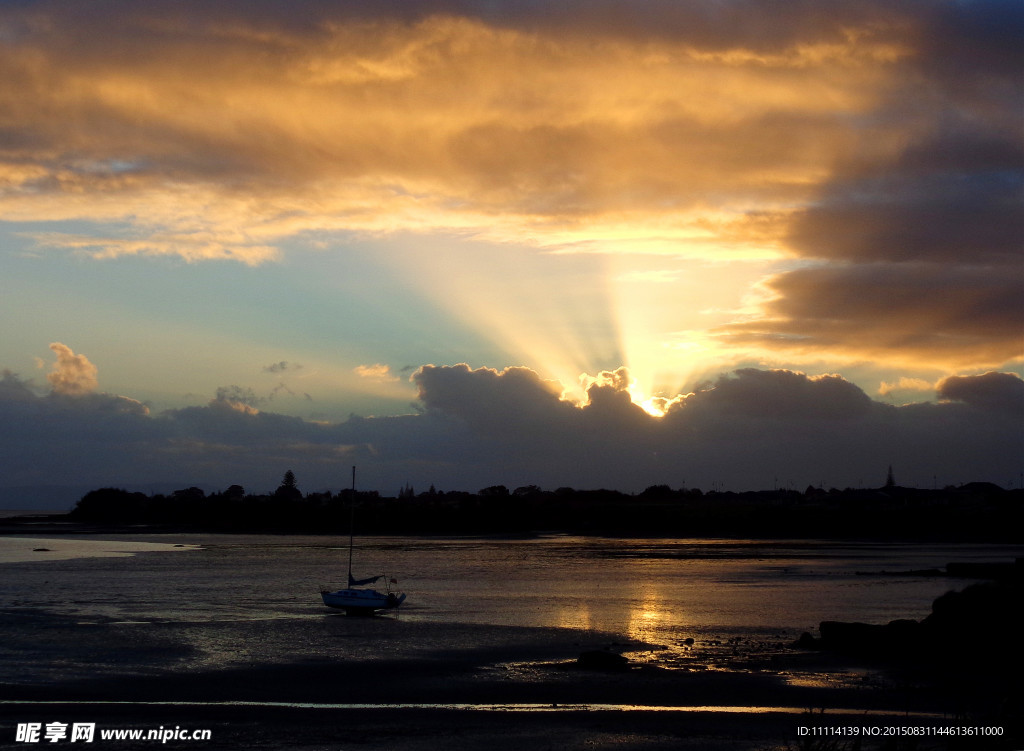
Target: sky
736	245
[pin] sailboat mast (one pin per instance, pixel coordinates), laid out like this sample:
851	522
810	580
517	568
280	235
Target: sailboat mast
351	523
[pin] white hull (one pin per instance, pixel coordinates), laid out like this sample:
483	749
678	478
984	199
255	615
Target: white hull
361	600
354	600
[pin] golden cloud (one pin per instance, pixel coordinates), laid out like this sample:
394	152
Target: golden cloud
905	384
223	143
376	372
855	135
71	374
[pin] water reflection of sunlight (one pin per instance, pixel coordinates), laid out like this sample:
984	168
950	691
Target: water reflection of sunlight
576	616
638	612
647	616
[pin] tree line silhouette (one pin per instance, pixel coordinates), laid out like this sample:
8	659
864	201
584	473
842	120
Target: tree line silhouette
975	511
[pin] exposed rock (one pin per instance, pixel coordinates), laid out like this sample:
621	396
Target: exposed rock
807	641
985	616
598	659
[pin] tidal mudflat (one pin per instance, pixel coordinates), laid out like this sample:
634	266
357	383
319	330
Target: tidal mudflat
228	633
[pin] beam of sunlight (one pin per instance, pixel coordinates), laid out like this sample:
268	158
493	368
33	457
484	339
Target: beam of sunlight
549	313
663	309
571	317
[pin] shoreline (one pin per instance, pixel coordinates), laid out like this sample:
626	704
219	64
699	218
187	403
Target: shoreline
40	525
438	702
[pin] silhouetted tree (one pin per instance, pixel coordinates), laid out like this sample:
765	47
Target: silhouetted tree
494	491
890	481
110	505
526	490
189	494
656	491
288	490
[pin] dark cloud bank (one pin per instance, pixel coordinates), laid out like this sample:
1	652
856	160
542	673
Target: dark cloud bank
750	429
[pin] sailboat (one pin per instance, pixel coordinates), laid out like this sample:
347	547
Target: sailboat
357	599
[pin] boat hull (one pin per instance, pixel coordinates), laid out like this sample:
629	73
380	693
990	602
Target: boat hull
361	601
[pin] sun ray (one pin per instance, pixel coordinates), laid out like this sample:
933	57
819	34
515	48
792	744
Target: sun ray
546	312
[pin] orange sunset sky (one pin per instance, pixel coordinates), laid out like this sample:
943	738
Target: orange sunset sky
591	244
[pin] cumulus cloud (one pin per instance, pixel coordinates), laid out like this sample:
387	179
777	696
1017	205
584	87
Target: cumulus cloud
617	380
376	372
479	427
14	389
1002	392
780	394
68	434
905	384
72	374
510	398
750	427
237	398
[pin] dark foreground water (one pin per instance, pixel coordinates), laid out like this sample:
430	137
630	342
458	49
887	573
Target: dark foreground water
488	622
659	592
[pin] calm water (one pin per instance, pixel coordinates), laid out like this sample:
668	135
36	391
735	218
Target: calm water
655	591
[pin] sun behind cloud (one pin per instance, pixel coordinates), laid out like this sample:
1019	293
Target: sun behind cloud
674	190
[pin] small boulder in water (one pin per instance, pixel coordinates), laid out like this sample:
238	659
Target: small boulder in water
598	659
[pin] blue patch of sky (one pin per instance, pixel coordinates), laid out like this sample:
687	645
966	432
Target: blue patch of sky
156	324
347	295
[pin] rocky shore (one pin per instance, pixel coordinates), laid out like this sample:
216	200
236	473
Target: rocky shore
968	649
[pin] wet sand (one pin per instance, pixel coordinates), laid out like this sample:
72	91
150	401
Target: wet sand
247	681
